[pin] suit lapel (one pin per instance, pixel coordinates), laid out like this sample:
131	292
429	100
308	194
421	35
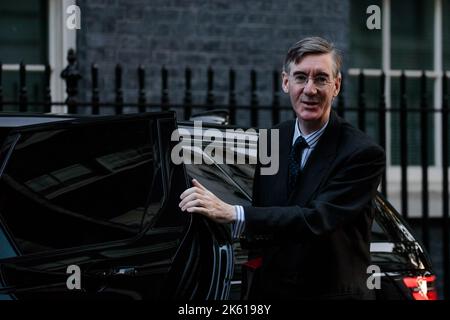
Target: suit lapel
318	162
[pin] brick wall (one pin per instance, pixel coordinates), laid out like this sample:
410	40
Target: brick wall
245	35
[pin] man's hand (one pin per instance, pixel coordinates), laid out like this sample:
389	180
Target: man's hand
200	200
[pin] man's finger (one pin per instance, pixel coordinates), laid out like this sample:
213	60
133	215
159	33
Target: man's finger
191	204
188	192
188	198
185	193
202	211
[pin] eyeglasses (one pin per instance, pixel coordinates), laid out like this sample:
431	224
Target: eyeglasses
319	81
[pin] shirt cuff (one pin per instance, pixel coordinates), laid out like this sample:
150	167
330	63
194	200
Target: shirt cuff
238	225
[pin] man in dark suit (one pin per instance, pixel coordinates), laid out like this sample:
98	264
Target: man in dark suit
312	219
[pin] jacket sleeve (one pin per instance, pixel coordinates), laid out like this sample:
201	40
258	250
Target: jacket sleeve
344	195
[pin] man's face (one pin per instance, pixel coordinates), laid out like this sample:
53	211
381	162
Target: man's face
312	100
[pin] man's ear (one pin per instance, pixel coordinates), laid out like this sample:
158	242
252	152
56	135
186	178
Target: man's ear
337	85
285	82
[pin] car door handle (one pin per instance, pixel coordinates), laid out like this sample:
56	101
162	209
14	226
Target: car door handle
123	271
118	271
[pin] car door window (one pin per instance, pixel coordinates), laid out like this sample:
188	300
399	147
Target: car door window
175	182
6	248
85	184
218	182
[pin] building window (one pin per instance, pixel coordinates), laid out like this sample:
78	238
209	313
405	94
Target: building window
23	37
34	32
409	41
446	33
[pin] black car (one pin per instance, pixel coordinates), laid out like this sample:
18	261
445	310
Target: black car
401	268
89	209
100	195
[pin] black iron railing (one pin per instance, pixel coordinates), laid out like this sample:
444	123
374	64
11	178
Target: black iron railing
72	76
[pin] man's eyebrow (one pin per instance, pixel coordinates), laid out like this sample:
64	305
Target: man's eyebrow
320	73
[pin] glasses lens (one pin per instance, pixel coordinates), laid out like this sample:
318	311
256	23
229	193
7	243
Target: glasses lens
319	81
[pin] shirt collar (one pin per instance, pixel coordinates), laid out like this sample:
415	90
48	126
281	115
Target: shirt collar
311	138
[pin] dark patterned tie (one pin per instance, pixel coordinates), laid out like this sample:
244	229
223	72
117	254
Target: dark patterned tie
295	161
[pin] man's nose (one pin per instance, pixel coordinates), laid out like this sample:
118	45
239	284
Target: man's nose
310	87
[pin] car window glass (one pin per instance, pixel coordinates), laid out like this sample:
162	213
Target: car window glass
6	149
6	249
378	233
82	185
231	181
171	214
388	221
212	177
242	174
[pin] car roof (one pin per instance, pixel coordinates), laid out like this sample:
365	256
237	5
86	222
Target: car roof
17	120
10	122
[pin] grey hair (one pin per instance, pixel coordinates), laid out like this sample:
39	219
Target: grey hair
312	45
